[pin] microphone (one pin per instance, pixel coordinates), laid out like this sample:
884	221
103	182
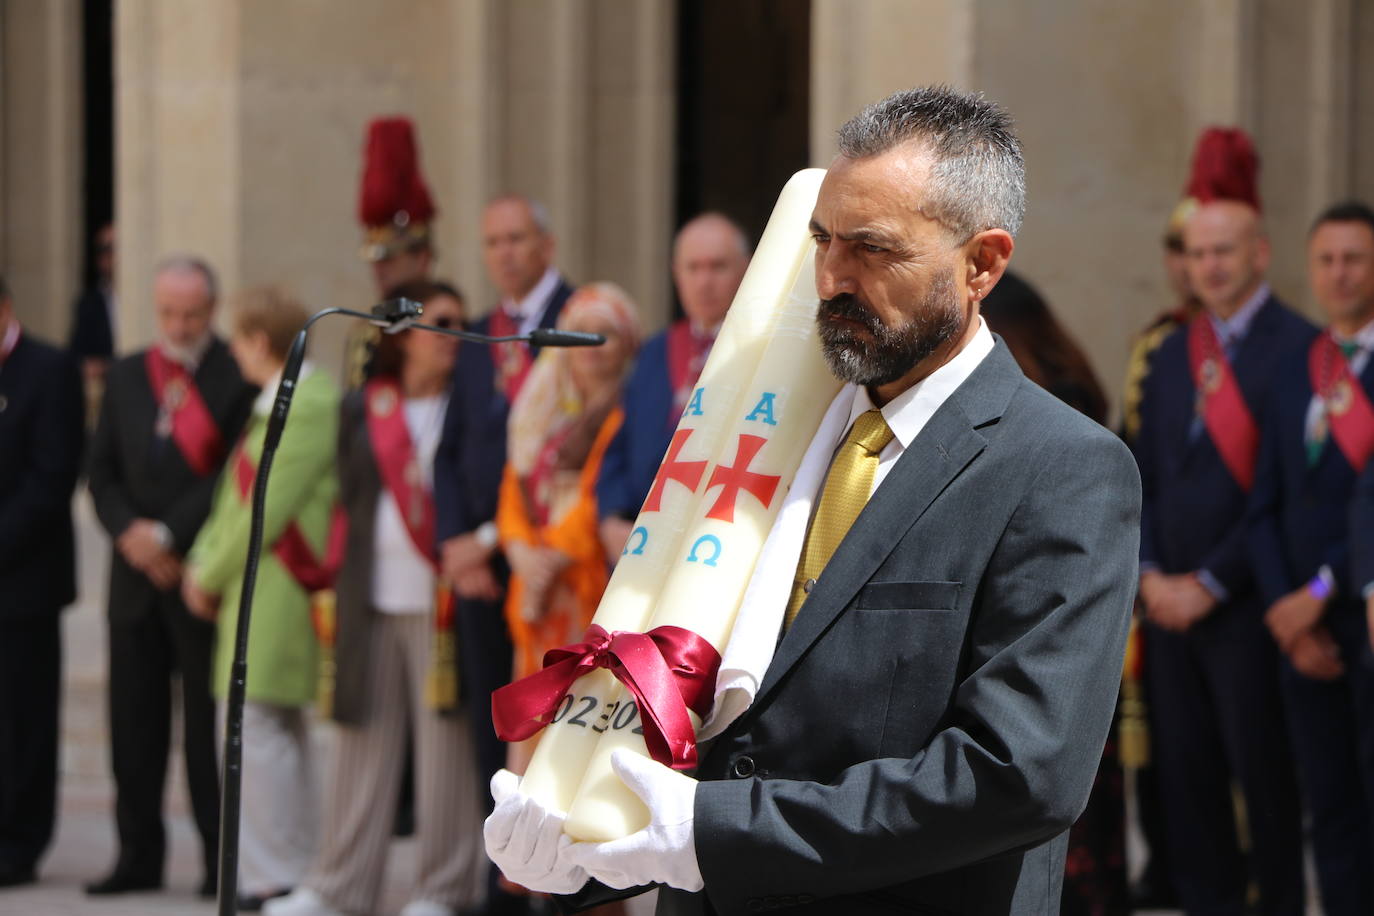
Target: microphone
395	315
549	337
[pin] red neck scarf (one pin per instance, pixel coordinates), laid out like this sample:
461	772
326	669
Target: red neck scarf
183	414
513	359
399	465
687	352
312	573
1345	405
1220	403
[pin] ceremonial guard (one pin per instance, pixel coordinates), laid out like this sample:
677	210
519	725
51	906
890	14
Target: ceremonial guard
1154	887
397	214
1318	436
169	415
710	255
1216	713
41	428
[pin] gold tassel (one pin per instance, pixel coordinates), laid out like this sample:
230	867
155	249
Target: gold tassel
441	681
324	614
1133	730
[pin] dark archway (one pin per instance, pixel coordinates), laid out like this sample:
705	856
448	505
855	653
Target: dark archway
744	74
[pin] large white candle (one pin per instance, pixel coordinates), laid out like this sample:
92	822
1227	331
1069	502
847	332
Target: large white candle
787	398
592	705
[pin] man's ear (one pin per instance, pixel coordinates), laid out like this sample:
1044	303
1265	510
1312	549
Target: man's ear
987	254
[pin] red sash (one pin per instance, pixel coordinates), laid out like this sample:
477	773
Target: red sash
513	359
1220	403
182	413
1345	406
9	341
398	464
687	354
312	573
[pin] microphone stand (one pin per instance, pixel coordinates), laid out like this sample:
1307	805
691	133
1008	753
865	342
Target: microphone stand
393	316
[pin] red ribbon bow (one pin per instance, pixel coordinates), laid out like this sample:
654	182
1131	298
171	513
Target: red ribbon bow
668	671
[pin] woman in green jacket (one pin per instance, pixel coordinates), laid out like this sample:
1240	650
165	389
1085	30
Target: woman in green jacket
279	819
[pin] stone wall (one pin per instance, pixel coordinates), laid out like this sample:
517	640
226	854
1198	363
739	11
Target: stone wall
240	128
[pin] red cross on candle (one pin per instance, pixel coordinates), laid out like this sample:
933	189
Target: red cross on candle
687	473
739	477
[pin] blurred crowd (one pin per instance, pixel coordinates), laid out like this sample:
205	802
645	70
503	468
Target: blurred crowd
448	512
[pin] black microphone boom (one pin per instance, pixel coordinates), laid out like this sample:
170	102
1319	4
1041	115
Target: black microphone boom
552	337
393	316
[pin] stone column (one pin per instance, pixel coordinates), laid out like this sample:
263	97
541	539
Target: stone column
241	130
41	160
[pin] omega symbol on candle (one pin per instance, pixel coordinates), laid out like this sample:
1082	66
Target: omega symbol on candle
639	548
713	541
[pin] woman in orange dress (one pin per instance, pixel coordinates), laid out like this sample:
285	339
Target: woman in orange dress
560	425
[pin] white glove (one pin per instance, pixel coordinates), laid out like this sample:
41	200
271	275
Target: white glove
663	852
526	840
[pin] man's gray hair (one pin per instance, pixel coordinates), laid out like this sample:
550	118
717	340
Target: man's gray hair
978	175
190	264
538	212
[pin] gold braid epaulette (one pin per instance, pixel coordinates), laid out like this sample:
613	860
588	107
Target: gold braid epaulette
1133	729
1137	367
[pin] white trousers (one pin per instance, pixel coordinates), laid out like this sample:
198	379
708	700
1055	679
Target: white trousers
279	816
361	804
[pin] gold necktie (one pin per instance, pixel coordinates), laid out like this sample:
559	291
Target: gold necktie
846	490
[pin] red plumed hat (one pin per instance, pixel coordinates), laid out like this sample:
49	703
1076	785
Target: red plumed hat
393	204
1225	167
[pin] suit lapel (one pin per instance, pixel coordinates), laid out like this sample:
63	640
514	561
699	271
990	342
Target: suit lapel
944	448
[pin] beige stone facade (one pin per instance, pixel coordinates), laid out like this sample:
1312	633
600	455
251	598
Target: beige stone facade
240	124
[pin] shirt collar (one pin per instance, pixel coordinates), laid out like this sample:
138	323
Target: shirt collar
10	338
533	303
1364	337
908	413
1237	326
263	405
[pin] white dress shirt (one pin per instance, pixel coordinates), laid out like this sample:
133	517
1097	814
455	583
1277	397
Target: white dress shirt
529	310
753	639
402	578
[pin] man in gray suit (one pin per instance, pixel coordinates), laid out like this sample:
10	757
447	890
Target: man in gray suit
935	710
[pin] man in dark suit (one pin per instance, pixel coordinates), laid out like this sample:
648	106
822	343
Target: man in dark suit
93	320
41	424
1216	714
518	250
930	723
1318	435
710	255
168	418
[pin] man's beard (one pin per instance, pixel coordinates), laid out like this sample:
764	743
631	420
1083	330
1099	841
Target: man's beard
893	352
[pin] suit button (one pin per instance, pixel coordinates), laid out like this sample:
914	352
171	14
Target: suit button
808	585
743	768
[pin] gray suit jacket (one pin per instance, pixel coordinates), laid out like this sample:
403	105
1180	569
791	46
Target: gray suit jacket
932	721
